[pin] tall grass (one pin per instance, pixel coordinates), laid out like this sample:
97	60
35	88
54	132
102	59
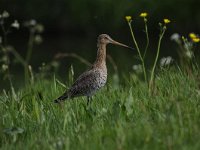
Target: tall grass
125	117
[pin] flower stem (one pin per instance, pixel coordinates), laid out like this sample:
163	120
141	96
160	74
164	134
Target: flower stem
147	37
28	55
5	50
139	53
151	81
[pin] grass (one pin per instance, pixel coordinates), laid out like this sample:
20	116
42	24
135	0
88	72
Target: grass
121	116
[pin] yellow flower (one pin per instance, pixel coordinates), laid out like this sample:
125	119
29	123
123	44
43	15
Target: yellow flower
196	40
128	18
144	14
192	35
166	21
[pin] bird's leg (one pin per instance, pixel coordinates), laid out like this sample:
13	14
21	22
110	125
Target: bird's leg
61	105
88	100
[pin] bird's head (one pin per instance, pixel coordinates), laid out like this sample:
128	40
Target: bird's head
106	39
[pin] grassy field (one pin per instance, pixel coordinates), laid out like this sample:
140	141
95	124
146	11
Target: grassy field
121	116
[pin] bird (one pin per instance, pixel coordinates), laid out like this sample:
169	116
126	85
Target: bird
90	81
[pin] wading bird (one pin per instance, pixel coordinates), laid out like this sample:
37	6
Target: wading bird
94	78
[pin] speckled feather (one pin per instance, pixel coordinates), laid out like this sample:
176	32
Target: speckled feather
88	83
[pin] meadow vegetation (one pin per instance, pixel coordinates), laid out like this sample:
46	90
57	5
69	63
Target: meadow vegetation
156	108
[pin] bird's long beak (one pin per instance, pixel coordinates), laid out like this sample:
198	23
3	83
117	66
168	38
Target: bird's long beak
117	43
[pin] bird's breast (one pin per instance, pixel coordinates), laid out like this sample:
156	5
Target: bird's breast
101	78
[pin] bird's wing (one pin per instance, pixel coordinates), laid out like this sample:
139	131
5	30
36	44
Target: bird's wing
84	83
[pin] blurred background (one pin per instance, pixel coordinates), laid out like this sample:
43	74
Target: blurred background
72	26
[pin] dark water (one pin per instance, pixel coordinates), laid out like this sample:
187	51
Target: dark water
84	47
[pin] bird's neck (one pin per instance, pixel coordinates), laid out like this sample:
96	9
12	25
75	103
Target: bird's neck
101	56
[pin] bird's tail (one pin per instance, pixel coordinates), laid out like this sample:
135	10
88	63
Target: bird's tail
61	98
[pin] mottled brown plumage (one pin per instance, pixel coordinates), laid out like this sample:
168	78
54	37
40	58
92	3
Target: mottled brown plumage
94	78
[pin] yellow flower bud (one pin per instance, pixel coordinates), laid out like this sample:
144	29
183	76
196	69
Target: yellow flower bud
144	14
166	21
196	40
128	18
192	35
